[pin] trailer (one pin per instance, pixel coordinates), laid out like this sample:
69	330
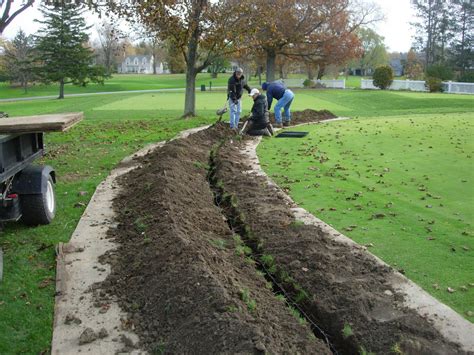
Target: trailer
26	189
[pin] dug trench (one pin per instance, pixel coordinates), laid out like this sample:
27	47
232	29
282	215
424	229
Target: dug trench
191	284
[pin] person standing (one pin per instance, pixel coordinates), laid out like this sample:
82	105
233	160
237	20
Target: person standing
235	88
259	122
285	98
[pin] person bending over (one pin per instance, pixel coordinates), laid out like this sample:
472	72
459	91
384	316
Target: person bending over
285	98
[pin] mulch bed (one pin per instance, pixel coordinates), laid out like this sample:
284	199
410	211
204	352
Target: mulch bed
188	285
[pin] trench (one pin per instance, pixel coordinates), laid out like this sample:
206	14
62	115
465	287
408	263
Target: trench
228	204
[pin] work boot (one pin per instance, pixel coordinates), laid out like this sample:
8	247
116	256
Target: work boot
286	123
278	125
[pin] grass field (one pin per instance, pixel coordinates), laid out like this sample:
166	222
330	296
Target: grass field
115	126
403	185
128	82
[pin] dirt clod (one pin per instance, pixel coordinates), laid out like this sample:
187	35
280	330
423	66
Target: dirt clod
87	336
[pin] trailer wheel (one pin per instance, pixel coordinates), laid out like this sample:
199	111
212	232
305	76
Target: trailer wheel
39	208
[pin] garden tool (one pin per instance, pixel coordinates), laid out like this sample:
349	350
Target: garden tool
221	111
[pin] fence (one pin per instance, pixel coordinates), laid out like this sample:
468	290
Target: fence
330	84
418	85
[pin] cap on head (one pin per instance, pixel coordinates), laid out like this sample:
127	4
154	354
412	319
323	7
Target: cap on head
265	86
239	70
254	92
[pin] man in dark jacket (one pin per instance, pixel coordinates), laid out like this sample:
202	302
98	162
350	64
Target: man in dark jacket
285	98
259	122
235	88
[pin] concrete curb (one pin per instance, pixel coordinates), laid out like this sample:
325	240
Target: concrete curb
78	269
448	322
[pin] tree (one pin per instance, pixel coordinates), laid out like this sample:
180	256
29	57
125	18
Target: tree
374	53
19	59
7	16
307	29
217	66
201	30
63	56
174	58
413	67
109	37
383	77
461	49
433	28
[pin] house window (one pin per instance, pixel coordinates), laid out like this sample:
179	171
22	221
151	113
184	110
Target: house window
128	61
136	61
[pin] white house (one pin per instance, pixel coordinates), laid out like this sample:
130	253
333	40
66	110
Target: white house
140	64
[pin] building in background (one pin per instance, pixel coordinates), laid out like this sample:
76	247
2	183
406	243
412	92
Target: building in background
139	64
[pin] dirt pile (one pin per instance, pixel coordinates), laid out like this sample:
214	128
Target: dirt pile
306	116
183	277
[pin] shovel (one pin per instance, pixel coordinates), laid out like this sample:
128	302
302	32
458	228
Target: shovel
221	111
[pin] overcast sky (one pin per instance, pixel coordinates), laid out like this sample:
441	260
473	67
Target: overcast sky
396	27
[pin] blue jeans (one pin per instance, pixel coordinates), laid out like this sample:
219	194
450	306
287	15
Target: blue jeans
235	110
284	103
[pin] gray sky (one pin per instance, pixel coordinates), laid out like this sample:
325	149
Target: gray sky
396	27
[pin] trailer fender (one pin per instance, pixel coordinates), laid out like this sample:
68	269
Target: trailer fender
33	179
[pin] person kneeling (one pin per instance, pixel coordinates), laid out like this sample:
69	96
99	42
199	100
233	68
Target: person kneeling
259	122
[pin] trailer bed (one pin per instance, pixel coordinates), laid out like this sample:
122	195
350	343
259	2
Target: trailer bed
41	123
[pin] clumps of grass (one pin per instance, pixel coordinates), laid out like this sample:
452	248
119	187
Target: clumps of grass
245	297
218	243
396	349
269	263
347	331
240	248
296	224
364	351
140	224
201	165
297	315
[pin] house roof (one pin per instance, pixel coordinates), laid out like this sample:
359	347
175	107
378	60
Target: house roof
139	57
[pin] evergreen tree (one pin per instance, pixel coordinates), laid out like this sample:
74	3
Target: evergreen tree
62	52
19	59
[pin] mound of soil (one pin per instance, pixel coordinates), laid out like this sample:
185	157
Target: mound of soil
191	284
182	275
306	116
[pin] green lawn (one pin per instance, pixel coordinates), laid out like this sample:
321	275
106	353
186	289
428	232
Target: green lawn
401	184
119	82
127	82
114	127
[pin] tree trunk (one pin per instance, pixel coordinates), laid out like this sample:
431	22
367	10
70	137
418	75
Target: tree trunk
271	59
61	89
309	70
259	73
190	98
321	71
154	61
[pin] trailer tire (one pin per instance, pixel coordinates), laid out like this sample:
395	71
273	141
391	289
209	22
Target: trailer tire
39	208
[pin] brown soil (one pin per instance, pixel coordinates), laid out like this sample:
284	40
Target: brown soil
178	271
189	285
307	115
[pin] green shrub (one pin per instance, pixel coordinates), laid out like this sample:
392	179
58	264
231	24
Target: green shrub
307	83
467	77
439	71
434	84
383	77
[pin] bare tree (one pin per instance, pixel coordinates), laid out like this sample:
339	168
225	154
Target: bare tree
109	38
6	10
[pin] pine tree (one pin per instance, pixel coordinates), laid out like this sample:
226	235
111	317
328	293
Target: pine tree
61	46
